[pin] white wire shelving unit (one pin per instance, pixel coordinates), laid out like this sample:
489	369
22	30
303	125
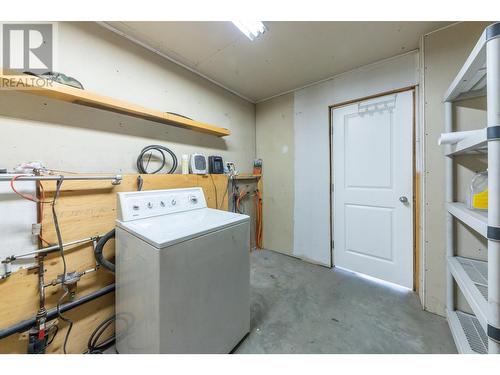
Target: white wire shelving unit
478	280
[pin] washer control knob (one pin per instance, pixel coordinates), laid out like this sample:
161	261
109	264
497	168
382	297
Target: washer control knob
135	207
162	203
150	205
173	202
193	199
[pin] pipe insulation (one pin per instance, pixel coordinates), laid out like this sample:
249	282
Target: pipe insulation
25	325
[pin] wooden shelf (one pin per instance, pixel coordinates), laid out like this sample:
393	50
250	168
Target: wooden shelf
83	97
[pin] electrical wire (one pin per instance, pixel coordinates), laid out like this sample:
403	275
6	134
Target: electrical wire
32	199
61	251
93	346
215	191
67	320
56	329
25	196
162	149
258	213
240	196
258	219
223	197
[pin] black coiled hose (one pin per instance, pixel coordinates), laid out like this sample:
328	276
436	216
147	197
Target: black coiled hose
140	162
93	345
99	257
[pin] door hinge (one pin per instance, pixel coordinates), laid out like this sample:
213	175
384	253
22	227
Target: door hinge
333	244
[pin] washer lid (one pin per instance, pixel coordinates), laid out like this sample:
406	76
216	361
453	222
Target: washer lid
166	230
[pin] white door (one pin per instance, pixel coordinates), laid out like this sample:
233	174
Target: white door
373	195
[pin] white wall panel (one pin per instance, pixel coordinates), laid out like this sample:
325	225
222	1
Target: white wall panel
312	155
16	218
77	138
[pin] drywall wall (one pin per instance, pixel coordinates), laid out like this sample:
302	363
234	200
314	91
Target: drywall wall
76	138
275	145
70	137
444	53
16	220
312	154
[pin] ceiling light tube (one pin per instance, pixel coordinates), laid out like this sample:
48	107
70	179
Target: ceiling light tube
252	29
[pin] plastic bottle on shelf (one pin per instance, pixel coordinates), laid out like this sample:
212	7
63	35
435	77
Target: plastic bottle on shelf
477	199
185	164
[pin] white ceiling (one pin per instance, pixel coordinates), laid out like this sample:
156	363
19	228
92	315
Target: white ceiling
288	56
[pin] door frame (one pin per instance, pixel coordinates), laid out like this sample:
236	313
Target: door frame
415	180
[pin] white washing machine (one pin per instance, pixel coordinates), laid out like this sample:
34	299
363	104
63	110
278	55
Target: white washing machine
182	274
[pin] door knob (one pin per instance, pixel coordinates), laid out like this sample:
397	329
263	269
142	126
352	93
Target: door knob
403	199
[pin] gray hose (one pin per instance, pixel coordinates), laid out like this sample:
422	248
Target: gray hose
99	257
161	149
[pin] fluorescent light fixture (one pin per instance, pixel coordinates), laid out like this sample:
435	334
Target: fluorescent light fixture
252	29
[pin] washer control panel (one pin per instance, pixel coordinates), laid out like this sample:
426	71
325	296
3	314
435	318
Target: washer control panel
144	204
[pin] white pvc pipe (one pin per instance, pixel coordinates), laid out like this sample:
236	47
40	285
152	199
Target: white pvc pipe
493	88
448	127
455	137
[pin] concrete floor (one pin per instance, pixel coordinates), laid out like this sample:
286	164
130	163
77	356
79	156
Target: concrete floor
298	307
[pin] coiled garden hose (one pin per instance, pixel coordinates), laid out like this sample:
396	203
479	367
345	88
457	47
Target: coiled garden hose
140	159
